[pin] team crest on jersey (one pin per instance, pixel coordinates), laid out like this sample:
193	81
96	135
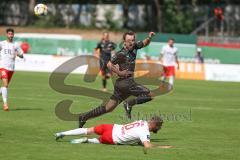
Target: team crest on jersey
148	137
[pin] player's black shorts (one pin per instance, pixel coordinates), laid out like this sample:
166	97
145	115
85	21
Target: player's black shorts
103	66
123	88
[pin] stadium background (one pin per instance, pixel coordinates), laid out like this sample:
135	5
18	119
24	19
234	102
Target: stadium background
74	27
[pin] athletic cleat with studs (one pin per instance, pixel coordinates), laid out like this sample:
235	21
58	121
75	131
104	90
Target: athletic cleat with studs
80	140
128	109
59	136
81	122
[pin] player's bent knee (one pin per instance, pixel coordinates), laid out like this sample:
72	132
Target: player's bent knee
111	105
109	110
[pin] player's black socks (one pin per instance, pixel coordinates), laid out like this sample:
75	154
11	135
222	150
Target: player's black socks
139	100
93	113
104	83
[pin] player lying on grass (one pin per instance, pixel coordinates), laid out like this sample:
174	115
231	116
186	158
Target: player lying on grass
137	132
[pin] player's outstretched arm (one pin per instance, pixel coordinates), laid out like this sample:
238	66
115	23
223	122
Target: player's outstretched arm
147	145
148	39
150	145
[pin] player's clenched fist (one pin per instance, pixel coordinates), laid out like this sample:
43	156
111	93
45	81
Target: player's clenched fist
151	34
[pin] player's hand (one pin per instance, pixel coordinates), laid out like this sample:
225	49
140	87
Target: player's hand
151	34
125	73
96	53
165	147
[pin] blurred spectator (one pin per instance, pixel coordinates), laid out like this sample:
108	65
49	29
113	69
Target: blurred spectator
198	57
25	46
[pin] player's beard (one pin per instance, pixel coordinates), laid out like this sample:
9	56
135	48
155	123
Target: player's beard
10	39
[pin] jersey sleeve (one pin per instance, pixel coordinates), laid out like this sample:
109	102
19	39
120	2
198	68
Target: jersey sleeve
144	136
139	44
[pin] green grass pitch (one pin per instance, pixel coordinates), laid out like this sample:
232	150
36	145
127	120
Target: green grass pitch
208	129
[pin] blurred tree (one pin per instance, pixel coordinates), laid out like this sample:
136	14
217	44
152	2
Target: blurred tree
31	5
158	18
77	17
125	5
110	22
177	20
69	15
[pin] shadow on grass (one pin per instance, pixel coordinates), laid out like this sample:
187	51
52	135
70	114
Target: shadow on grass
26	109
159	140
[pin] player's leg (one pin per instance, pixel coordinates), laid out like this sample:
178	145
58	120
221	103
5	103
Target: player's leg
105	135
93	140
85	140
102	109
6	78
171	80
117	97
106	76
171	75
75	132
4	89
105	132
163	76
91	114
103	73
104	83
142	94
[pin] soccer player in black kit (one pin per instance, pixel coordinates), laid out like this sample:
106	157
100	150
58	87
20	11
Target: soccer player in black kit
123	64
105	46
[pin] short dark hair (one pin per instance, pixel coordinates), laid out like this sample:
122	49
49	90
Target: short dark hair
171	39
128	33
158	120
9	30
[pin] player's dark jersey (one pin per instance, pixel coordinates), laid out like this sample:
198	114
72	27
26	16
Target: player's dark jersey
126	86
105	49
126	59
